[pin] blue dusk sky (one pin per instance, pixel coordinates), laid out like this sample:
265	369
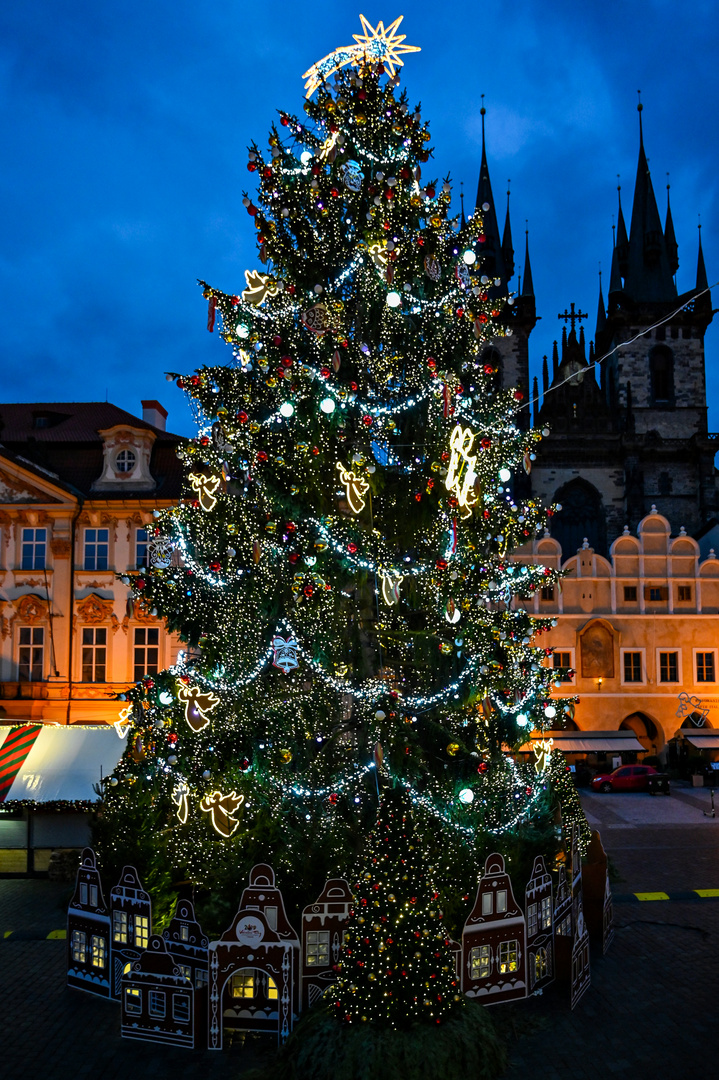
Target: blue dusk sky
124	135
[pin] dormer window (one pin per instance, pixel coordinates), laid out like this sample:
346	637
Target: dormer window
125	461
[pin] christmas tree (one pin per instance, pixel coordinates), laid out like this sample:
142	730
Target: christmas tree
339	568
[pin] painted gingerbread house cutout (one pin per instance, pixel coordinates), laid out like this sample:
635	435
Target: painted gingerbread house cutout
186	942
88	931
494	940
323	927
157	999
581	976
539	908
131	924
254	967
607	918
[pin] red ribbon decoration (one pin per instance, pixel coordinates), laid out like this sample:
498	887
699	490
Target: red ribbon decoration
211	308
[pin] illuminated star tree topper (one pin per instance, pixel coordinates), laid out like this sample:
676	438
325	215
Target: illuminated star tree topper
378	43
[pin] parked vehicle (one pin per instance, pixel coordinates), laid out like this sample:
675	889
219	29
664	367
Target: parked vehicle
632	778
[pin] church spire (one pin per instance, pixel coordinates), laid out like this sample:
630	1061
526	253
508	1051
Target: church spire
648	277
528	287
601	310
702	280
670	238
492	258
621	240
507	249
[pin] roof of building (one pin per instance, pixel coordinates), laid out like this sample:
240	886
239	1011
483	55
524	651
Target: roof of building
63	438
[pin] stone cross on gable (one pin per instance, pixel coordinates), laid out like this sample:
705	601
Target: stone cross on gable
572	315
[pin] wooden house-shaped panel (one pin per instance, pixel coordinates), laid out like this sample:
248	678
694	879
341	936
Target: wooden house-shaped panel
88	931
576	878
539	910
254	967
158	1001
131	924
494	940
607	917
186	942
581	976
323	927
563	936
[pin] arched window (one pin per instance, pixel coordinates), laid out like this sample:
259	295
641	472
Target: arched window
582	515
661	370
492	357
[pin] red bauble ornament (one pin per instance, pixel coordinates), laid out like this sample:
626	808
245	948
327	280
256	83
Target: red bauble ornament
352	548
277	340
518	395
262	455
367	421
242	417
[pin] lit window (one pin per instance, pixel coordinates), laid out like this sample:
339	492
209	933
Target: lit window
562	660
97	542
133	1000
271	989
142	931
181	1008
705	667
146	655
632	667
668	667
186	971
31	653
479	962
125	461
540	964
98	951
119	927
545	918
564	928
487	903
184	933
501	901
78	946
532	922
508	957
94	654
34	542
141	548
242	985
317	952
157	1004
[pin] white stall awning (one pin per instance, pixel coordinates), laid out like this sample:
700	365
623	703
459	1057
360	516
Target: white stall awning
710	741
45	764
587	742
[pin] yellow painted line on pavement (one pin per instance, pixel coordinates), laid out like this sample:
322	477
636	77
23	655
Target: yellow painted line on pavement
56	935
706	892
651	895
7	933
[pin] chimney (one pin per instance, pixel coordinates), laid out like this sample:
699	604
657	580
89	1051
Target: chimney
154	413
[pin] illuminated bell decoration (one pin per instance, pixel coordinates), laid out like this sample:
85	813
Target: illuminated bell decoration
285	756
453	749
466	796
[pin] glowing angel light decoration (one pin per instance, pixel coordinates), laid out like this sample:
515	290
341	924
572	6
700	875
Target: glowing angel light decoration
461	473
222	808
355	486
378	44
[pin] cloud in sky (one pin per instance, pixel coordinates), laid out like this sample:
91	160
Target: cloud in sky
125	127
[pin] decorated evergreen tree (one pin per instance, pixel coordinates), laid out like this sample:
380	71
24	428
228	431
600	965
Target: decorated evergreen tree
397	967
339	568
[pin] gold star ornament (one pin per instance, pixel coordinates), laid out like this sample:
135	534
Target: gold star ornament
378	44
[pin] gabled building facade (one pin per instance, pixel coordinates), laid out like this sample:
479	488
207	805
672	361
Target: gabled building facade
79	483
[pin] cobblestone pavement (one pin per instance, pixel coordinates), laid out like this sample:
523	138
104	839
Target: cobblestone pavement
649	1012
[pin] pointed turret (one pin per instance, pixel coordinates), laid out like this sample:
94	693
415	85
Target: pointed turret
507	249
670	239
702	280
545	375
555	361
622	240
535	398
601	310
649	276
528	287
492	258
463	220
615	278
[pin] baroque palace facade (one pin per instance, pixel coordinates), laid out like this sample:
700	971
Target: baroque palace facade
78	486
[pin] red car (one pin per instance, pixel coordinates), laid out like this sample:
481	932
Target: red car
631	778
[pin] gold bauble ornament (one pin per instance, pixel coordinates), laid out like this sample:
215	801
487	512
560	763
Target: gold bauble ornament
453	749
286	756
